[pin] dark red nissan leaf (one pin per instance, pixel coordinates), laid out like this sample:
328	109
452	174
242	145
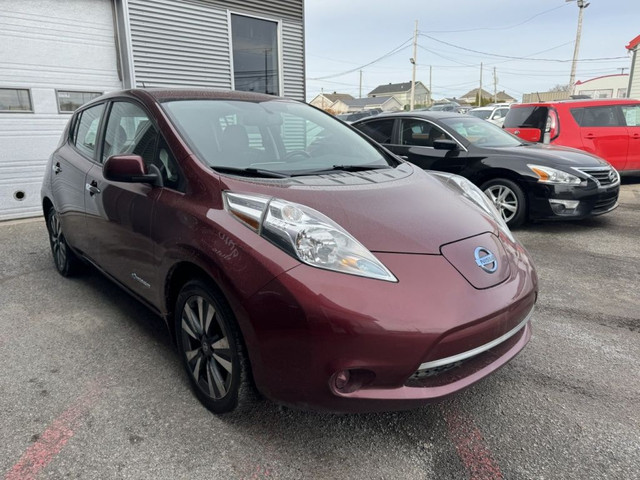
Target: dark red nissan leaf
287	252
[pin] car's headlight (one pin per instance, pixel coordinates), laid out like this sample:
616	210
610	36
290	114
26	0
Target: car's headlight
551	175
305	234
477	196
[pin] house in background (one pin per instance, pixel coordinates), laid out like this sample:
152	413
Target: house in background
386	104
325	100
607	86
633	89
402	93
471	96
503	97
58	55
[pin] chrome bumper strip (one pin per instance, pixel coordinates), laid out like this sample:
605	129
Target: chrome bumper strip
476	351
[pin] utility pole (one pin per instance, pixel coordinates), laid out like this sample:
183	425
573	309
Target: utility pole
480	90
495	86
413	61
572	79
430	89
622	69
360	94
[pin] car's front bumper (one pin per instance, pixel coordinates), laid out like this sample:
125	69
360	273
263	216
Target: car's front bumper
556	202
308	325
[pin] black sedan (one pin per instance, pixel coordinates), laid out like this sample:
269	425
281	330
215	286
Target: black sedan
524	181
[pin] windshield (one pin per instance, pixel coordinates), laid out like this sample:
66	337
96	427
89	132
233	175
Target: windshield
481	133
483	114
276	135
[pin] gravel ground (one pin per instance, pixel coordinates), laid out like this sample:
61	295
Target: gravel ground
92	387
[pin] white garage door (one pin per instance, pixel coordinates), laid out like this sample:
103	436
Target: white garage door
53	54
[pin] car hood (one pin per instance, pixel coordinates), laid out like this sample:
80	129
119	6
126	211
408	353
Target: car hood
552	155
400	210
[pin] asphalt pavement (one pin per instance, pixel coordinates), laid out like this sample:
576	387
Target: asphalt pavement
91	386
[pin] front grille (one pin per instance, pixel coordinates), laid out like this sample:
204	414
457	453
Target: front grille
603	175
605	202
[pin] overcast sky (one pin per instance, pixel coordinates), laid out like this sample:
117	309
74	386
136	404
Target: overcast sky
343	35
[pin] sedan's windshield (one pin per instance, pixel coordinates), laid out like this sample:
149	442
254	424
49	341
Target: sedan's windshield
276	135
481	133
483	114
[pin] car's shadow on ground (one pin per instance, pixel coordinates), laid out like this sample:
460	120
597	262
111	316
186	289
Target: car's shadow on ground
572	226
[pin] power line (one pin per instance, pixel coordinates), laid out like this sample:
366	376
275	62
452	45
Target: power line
518	58
499	28
399	48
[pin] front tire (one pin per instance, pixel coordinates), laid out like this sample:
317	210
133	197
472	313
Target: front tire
65	260
509	200
211	348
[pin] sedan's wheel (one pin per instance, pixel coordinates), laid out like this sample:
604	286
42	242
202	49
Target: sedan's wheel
65	260
509	200
211	348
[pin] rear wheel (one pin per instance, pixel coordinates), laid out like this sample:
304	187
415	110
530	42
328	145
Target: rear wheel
211	348
509	200
65	260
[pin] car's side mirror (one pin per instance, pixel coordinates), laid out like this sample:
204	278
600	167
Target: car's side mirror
128	168
445	144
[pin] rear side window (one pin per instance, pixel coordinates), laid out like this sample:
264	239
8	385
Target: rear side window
86	131
631	115
605	116
380	130
526	117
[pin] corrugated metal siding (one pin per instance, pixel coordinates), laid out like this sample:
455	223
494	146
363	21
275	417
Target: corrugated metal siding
285	9
179	44
634	78
44	47
185	43
293	60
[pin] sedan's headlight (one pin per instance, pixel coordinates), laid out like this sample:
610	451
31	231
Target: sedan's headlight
552	175
477	196
305	234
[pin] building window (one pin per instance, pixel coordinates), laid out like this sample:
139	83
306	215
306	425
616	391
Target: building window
15	100
68	101
256	63
622	93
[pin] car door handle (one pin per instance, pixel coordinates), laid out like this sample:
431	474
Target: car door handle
56	168
590	135
92	188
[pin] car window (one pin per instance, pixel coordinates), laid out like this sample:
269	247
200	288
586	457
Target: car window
481	133
86	132
483	114
420	133
631	115
131	132
296	138
604	116
379	130
526	117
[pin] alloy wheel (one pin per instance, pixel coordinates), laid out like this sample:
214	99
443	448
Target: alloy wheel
58	244
504	199
206	347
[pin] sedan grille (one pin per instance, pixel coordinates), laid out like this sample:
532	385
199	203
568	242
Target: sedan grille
605	203
603	175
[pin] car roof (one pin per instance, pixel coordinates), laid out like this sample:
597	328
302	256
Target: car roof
166	94
427	114
585	102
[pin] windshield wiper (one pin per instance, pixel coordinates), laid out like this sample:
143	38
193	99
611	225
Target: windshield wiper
256	172
343	168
